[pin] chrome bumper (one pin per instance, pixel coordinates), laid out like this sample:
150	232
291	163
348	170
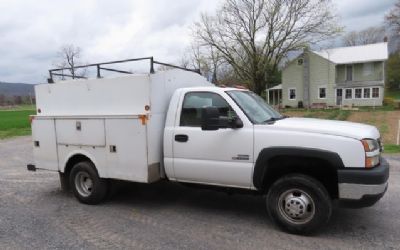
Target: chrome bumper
352	191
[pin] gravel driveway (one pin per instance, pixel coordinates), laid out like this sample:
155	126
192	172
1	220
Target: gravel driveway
36	214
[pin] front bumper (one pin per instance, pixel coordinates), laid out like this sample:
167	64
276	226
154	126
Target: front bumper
363	187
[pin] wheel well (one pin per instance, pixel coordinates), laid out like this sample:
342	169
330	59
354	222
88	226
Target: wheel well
317	168
72	161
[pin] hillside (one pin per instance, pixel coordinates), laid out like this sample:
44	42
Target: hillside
16	89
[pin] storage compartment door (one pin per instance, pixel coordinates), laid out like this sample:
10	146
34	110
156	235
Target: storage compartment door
127	149
44	144
81	132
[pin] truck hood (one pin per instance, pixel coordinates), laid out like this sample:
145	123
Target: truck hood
340	128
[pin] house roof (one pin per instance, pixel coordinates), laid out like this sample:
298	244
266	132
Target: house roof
356	54
279	86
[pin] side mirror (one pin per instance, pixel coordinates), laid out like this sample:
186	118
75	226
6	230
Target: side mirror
211	120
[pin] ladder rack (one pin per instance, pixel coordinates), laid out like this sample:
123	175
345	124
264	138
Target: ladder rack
99	67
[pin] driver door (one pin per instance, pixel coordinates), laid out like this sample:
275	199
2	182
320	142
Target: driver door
219	157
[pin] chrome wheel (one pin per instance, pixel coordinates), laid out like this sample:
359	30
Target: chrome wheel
296	206
83	183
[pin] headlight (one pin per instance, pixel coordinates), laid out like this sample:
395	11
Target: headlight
370	145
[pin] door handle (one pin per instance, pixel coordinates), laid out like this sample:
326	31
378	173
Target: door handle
181	138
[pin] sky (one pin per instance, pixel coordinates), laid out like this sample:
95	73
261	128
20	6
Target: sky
32	32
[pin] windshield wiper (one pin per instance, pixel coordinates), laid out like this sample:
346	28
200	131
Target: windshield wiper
273	119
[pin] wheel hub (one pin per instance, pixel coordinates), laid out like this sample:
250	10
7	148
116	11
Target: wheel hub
83	183
296	206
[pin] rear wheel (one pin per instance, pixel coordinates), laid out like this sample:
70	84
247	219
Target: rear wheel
86	184
299	204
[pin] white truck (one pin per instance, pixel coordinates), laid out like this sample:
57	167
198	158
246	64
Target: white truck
175	125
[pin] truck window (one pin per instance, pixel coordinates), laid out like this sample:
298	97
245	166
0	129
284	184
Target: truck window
195	101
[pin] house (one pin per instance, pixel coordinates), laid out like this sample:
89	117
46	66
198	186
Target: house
348	76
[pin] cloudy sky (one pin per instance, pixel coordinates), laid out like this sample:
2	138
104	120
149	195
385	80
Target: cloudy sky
31	31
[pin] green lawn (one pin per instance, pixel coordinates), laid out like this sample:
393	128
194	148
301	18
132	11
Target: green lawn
331	114
391	149
395	94
15	123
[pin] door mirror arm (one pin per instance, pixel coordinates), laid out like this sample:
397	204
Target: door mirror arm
236	123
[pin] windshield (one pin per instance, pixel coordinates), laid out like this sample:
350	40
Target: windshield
254	107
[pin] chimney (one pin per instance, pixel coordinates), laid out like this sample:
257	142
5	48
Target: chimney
385	39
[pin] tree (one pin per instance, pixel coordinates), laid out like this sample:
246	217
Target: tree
253	36
393	18
393	72
17	100
366	36
205	58
69	57
2	99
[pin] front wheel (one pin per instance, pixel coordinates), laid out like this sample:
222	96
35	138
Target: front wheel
299	204
86	184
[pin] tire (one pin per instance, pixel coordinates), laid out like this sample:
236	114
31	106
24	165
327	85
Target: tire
299	204
86	184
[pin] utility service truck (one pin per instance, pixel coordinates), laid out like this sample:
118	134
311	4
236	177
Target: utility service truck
175	125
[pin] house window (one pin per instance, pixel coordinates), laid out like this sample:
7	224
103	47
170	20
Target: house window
349	73
300	61
375	92
292	94
357	93
367	93
322	93
339	92
368	69
349	93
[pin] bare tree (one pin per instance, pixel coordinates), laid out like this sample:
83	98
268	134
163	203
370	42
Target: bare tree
205	58
393	18
366	36
253	36
69	57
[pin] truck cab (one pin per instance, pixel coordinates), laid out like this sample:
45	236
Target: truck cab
232	138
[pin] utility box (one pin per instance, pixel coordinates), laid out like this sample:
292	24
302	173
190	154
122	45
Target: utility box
117	122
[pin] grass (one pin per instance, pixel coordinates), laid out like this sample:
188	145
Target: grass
15	123
331	114
391	149
18	107
395	94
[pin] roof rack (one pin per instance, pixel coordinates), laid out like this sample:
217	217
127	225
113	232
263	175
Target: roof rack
99	66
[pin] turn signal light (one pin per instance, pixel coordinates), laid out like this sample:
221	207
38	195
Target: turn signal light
371	162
